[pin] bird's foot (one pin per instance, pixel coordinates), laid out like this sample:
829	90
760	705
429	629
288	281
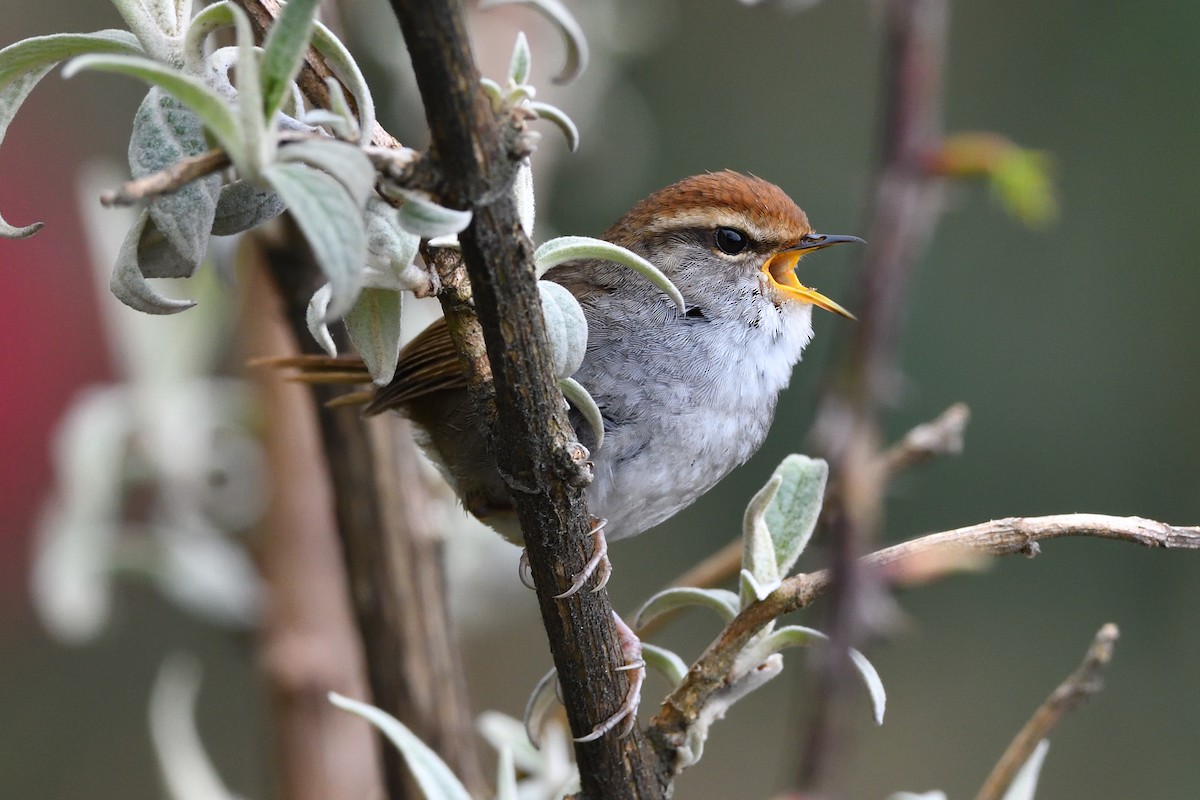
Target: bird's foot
524	571
598	565
626	715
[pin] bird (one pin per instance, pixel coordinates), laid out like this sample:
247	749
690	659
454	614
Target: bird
686	395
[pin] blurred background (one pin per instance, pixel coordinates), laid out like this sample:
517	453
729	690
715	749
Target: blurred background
1076	347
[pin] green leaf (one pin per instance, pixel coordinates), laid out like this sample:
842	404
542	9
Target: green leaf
792	514
192	92
374	327
345	162
188	773
343	64
519	64
25	63
585	404
557	13
339	117
315	315
257	142
392	251
242	206
506	775
566	328
494	93
164	131
157	256
211	18
1023	183
541	700
798	636
283	52
41	52
12	96
503	732
558	117
526	202
146	20
436	780
665	663
722	601
1024	784
128	284
427	219
574	248
331	222
760	570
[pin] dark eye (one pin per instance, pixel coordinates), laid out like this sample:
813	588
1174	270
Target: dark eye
730	241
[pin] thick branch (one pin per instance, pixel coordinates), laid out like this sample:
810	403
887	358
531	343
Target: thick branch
393	558
532	436
1014	535
308	645
392	555
1081	684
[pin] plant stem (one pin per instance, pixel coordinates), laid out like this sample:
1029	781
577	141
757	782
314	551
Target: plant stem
533	439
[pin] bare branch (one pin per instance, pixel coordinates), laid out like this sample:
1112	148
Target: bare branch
1014	535
168	180
938	437
1081	684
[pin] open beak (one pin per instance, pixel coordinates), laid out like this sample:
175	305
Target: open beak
781	269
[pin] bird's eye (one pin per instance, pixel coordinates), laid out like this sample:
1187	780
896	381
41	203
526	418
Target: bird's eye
730	241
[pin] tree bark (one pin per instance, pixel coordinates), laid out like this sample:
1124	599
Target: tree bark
533	438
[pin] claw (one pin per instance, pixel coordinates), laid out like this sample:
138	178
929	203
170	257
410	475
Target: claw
598	564
524	571
631	650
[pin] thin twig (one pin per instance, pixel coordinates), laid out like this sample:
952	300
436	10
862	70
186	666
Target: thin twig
1013	535
167	180
942	436
1081	684
398	166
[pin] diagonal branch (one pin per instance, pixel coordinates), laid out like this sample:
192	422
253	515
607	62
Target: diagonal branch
1081	684
1010	536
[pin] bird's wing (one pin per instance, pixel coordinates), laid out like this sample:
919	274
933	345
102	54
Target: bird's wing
428	364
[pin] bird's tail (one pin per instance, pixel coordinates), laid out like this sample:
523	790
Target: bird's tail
323	370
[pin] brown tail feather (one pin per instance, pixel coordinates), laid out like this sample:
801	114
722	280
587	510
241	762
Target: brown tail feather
351	399
308	363
312	370
348	377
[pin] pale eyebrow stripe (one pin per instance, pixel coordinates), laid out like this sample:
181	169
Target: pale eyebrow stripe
706	219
